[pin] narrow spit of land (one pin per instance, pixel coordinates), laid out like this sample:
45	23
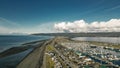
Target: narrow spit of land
35	58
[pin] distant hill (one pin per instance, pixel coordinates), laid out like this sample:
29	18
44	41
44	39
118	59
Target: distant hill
99	34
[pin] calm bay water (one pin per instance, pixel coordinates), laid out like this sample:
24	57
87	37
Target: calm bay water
115	40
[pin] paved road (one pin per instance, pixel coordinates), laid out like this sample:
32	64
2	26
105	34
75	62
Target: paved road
66	60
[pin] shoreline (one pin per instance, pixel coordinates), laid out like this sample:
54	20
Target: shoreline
18	49
35	57
42	42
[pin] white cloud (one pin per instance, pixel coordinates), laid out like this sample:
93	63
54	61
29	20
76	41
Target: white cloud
4	30
114	8
5	22
9	27
112	25
39	28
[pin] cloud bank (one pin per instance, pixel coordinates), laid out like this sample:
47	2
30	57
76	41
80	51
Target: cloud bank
8	27
112	25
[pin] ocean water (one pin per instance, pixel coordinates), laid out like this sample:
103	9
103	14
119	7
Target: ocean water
11	41
8	41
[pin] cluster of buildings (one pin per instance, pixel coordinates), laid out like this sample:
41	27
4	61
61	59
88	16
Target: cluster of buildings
83	55
89	54
78	59
54	58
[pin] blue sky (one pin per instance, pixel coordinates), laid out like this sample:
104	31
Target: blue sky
36	16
